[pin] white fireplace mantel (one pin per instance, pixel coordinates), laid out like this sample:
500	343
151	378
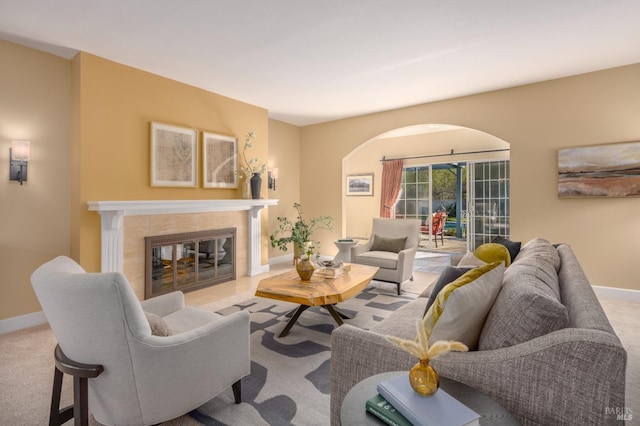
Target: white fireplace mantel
112	212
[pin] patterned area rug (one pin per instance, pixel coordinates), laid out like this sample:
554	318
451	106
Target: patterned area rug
289	380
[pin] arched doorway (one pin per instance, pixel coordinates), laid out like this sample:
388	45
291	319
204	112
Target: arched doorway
430	147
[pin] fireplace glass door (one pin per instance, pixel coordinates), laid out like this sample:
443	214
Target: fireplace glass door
189	261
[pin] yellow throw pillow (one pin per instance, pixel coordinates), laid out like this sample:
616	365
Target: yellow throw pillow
462	306
493	252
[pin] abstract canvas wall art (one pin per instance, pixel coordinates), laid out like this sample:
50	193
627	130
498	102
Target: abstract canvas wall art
611	170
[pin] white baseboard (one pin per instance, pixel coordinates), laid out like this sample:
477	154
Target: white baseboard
23	321
281	259
258	270
617	293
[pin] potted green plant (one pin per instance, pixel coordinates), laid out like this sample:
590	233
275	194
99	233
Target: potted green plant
299	232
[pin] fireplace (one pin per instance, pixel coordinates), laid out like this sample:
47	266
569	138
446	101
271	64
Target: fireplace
124	224
189	261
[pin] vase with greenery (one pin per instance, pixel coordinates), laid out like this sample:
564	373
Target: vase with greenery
304	267
252	170
299	232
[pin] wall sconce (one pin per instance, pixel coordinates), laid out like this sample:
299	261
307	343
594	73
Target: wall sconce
19	154
272	175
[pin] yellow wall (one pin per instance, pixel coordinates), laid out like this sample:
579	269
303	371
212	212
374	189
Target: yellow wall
34	217
536	120
88	121
284	153
115	105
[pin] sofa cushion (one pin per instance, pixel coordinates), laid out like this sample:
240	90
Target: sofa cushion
449	275
512	246
381	259
460	309
522	313
493	252
540	258
393	245
530	294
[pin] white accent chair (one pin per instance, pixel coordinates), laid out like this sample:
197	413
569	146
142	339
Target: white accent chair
394	267
138	378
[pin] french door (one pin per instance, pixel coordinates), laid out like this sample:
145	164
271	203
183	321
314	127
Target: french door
488	207
481	204
432	188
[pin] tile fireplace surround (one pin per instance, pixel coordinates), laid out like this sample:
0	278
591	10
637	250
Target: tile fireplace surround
113	227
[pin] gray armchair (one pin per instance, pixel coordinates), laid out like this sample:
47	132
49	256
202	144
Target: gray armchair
144	379
396	266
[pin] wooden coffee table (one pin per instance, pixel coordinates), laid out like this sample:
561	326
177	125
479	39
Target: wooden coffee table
319	291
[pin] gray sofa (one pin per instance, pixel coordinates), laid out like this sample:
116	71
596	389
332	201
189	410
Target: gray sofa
547	352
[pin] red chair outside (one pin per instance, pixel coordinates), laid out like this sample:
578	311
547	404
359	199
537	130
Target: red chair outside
437	227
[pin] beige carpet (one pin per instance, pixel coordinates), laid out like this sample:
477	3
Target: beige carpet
26	369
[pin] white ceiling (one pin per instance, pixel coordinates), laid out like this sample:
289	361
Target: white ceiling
313	61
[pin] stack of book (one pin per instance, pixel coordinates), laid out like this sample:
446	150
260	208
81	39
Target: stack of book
327	272
397	404
329	269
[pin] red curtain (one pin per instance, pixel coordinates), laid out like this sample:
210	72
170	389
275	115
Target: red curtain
391	180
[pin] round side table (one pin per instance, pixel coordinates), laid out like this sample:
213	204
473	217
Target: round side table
353	412
344	253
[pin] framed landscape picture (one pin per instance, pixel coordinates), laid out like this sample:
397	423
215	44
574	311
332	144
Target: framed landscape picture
360	184
219	161
174	153
611	170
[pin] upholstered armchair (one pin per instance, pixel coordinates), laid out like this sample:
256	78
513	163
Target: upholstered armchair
391	247
135	377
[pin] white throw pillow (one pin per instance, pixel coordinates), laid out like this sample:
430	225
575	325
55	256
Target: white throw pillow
470	259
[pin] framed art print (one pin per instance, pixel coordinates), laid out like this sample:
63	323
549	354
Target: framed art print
611	170
219	161
360	184
174	153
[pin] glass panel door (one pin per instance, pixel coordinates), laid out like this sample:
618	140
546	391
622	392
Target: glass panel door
488	213
435	188
414	200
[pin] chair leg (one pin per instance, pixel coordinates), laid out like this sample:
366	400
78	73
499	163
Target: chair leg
79	411
398	289
57	416
80	401
237	391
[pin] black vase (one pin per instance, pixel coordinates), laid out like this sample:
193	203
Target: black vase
256	184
